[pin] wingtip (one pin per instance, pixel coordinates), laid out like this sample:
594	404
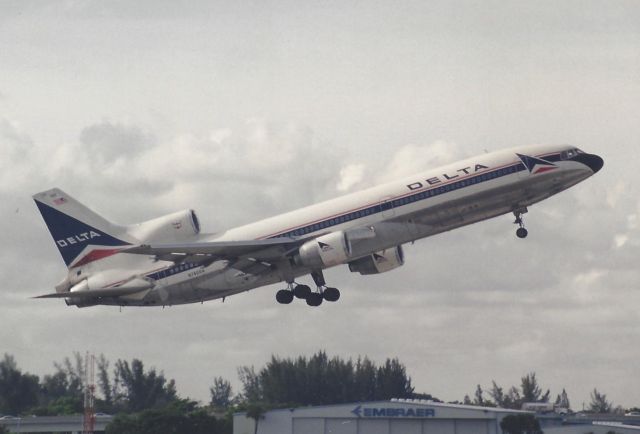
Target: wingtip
53	295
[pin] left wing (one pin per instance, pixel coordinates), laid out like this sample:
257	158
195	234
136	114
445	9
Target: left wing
268	250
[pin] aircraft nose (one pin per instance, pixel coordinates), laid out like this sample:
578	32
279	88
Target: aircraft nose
594	162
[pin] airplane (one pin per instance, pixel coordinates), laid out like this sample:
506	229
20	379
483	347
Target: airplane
168	261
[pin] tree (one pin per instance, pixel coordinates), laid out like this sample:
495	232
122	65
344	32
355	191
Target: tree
181	416
478	398
74	372
497	394
251	390
563	400
393	381
63	391
599	403
54	386
18	391
58	396
142	390
531	392
520	424
424	397
104	382
321	380
513	399
256	412
364	380
220	393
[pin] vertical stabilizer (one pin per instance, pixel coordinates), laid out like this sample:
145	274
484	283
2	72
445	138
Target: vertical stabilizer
81	235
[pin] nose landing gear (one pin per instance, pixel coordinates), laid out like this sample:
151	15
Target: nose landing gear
521	232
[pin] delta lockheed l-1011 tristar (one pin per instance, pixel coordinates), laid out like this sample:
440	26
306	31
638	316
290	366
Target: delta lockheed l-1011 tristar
167	261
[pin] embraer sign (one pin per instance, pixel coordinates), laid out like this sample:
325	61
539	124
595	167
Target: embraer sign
393	412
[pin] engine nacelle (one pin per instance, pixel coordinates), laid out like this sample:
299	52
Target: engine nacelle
325	251
175	227
378	262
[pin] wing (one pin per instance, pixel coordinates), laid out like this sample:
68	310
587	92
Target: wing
259	250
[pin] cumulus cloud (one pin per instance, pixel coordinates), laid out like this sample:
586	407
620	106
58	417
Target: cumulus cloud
350	176
415	158
108	141
258	170
18	153
14	141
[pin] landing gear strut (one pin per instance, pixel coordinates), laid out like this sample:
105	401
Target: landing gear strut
521	232
327	293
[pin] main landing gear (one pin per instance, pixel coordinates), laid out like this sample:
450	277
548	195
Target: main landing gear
521	232
313	298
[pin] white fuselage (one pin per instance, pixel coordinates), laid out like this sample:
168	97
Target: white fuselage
394	213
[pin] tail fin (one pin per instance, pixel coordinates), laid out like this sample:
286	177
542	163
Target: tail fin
79	233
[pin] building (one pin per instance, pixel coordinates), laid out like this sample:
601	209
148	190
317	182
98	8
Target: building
49	424
381	417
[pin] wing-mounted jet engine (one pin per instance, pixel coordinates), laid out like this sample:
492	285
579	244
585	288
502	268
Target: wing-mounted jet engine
378	262
325	251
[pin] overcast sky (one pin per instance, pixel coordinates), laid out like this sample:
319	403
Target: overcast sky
243	110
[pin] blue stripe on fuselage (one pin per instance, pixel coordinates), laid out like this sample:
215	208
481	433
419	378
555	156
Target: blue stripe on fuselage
172	271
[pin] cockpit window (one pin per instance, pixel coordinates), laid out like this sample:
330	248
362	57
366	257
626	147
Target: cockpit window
567	155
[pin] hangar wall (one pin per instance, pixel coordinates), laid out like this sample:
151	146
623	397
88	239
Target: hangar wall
382	417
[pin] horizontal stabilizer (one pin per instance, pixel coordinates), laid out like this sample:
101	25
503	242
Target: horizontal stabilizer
81	290
94	293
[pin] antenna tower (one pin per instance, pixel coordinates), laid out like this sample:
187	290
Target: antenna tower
89	420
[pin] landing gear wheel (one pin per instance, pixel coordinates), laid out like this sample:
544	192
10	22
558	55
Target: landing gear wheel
521	232
284	296
301	291
331	294
314	299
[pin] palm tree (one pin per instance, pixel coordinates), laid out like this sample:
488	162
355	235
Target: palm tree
255	412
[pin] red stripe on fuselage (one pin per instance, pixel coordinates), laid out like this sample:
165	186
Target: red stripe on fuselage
95	255
544	169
